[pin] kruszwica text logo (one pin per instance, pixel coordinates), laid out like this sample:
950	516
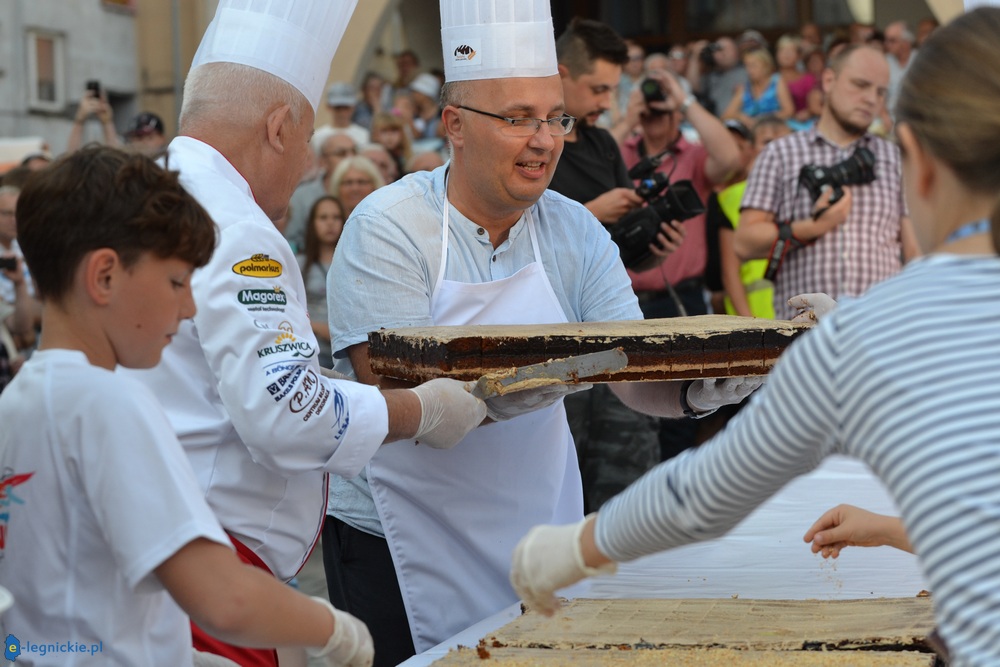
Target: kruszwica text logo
258	266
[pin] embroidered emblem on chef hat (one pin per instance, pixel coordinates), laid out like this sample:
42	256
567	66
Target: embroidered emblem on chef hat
497	39
292	39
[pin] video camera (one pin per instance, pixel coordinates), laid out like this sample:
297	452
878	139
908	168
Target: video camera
665	201
859	169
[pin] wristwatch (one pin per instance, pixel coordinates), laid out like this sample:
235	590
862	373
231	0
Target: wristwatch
686	104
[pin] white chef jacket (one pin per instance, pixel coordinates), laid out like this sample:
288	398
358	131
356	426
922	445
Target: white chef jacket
241	384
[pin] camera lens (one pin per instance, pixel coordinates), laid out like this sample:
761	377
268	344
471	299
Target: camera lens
651	91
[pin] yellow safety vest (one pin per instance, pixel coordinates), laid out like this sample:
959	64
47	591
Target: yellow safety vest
760	292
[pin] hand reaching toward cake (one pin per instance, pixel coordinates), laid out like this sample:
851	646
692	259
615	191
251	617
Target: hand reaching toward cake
549	558
849	526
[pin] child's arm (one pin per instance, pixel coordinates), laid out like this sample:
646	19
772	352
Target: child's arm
731	280
849	526
246	606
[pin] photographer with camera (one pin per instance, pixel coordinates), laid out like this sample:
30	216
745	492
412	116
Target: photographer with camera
676	286
663	151
715	71
825	205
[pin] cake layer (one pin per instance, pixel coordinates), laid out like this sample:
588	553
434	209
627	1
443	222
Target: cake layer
707	632
882	623
706	657
677	348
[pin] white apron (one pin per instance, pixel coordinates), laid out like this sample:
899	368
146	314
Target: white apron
453	517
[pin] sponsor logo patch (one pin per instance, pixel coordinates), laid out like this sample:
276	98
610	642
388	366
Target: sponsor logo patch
257	300
465	53
286	342
258	266
308	389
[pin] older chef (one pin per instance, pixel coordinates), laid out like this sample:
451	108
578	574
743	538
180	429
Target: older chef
419	547
241	383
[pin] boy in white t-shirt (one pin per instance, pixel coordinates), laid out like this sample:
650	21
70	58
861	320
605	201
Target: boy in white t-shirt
106	541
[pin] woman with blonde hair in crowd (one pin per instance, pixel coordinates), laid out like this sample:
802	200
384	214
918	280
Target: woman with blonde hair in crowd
324	225
763	93
354	179
389	130
903	378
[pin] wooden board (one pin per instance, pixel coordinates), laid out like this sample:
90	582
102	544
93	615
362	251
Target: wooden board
699	633
665	349
690	657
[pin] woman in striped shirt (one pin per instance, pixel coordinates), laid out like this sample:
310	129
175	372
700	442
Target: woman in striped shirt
904	378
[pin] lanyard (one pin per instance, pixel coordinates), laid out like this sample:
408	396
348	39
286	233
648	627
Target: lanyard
969	229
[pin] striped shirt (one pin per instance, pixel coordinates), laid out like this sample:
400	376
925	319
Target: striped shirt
862	251
905	380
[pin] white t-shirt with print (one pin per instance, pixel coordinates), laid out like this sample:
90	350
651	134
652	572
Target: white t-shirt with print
95	493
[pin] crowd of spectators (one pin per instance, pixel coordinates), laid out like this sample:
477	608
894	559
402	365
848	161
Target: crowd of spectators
389	127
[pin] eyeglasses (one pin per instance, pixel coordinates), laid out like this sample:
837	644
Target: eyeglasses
526	127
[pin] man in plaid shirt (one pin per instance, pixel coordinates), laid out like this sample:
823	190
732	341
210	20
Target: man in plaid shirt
844	248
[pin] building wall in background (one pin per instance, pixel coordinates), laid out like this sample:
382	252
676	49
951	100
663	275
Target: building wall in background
40	89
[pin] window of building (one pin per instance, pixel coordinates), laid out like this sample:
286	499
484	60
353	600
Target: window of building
46	78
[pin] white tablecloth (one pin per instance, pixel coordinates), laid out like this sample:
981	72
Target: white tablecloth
764	557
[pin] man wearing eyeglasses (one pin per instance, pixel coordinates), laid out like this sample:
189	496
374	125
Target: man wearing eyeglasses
419	546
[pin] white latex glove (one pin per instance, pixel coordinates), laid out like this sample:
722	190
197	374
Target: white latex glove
203	659
502	408
447	412
707	396
549	558
812	307
350	645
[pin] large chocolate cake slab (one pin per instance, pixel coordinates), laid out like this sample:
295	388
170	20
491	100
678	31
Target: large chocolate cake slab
677	348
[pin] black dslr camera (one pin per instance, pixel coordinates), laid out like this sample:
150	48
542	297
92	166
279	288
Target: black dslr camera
639	227
858	169
707	55
652	91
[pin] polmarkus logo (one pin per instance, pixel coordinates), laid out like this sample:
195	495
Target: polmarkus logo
258	265
464	52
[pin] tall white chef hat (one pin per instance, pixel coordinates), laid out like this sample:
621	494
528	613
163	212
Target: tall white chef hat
292	39
972	4
497	39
